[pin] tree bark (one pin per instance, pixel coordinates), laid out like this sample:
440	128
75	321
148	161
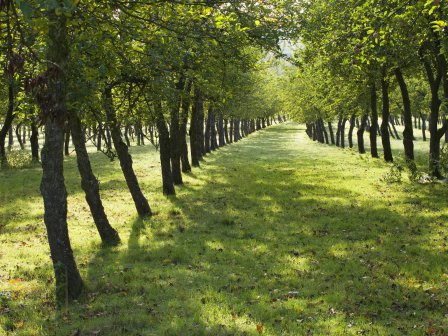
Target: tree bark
69	284
221	130
186	101
90	185
385	137
330	128
165	151
67	141
175	136
207	138
141	203
213	143
360	134
34	141
374	121
19	136
350	131
195	138
408	133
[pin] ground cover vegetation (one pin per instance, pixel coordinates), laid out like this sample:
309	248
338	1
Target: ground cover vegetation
156	178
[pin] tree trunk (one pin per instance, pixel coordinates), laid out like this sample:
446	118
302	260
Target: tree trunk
126	135
221	130
69	284
19	136
67	141
360	134
175	136
350	131
201	116
34	141
7	124
342	132
338	131
207	132
322	125
141	203
330	128
90	185
186	101
195	138
385	137
424	126
408	133
165	151
231	123
213	143
99	137
374	121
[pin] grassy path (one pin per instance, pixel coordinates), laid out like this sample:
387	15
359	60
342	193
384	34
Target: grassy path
275	235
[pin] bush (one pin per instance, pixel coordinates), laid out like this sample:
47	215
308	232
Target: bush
19	159
394	174
443	161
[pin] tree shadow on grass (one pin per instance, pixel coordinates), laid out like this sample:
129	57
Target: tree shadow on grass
250	244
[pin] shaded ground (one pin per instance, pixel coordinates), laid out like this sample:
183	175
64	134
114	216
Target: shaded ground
274	235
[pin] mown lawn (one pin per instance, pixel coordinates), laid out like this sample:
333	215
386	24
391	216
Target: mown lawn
274	235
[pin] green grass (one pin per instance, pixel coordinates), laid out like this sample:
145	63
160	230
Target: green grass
274	235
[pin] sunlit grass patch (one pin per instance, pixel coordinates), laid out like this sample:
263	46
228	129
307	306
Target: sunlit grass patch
274	235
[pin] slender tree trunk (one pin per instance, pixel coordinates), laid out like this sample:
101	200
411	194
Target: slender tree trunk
424	126
408	133
207	132
330	128
67	141
213	144
231	123
165	151
350	131
34	141
226	131
24	129
360	134
90	185
99	137
385	137
186	101
322	125
126	135
201	130
195	129
141	203
394	129
7	123
236	130
342	132
221	130
374	123
338	131
175	136
19	137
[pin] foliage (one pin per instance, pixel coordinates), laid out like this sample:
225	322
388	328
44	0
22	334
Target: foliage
394	175
19	159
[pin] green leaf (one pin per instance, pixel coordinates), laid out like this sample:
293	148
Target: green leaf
25	8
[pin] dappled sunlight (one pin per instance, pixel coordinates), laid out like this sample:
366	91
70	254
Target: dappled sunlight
266	236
